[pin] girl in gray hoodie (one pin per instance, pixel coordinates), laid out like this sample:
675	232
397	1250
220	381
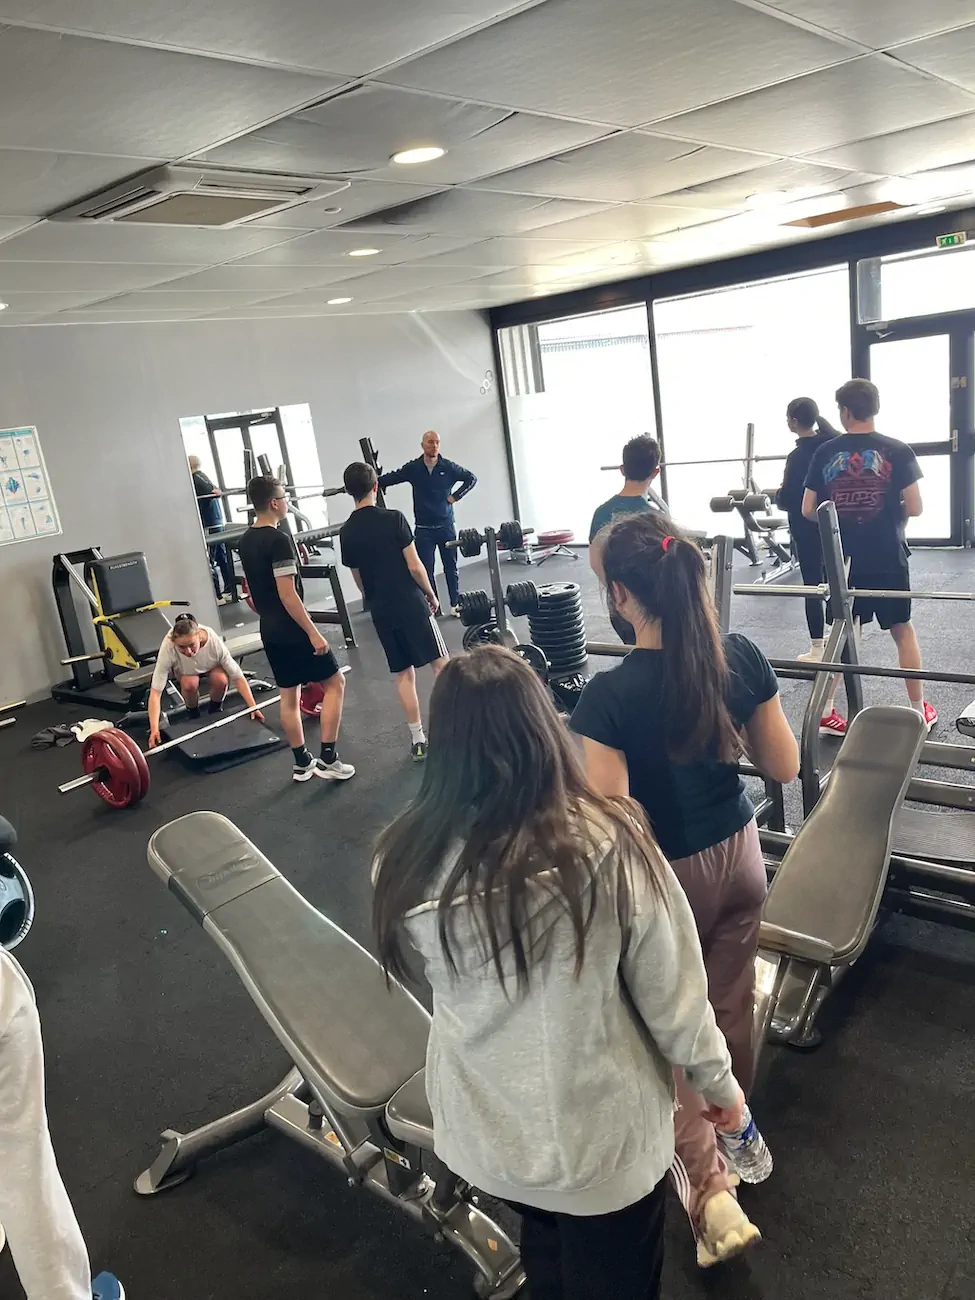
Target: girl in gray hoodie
567	984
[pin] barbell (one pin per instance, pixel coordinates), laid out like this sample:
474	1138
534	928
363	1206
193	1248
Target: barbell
116	768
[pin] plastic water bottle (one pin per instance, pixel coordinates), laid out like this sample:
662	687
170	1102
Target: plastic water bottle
746	1151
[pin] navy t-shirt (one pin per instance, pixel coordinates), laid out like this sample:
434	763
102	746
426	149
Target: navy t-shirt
864	474
615	508
691	806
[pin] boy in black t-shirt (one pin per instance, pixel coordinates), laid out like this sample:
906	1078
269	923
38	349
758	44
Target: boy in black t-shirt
295	649
873	482
378	546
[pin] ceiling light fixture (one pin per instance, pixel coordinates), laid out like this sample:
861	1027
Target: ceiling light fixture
363	252
421	154
337	302
931	209
4	306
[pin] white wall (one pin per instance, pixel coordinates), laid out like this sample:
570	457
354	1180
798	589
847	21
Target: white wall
106	400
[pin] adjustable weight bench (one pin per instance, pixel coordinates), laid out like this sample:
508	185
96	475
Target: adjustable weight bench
823	901
355	1094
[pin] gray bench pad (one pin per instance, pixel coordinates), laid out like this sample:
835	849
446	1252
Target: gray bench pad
355	1041
408	1114
831	880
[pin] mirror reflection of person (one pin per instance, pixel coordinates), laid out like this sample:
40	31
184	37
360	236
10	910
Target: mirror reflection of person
211	516
438	484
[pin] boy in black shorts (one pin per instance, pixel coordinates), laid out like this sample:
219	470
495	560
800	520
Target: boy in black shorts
378	546
295	649
873	482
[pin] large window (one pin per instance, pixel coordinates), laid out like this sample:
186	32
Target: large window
916	284
736	357
576	390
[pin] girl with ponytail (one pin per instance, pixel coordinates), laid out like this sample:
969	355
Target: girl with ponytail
667	727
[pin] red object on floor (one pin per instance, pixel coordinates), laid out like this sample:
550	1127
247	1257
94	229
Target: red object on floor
555	537
311	699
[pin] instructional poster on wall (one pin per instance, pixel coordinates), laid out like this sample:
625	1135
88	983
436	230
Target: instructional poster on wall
27	508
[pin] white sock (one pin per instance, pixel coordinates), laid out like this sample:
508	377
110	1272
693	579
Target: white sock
918	707
816	642
417	734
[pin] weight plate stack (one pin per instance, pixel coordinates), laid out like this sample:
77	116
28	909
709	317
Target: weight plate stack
510	536
16	902
483	634
474	607
559	629
521	598
469	542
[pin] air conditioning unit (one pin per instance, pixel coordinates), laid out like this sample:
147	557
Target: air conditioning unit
184	195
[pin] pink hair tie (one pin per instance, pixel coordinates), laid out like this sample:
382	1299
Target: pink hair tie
666	542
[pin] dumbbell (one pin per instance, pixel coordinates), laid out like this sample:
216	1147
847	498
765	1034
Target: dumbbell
477	608
511	537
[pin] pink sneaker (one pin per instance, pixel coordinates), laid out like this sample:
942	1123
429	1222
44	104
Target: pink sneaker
832	725
930	715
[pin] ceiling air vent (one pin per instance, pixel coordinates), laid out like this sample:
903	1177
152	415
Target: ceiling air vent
197	196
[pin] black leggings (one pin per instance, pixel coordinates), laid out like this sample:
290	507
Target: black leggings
809	553
600	1257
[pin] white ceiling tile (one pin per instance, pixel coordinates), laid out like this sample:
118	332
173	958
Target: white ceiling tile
623	168
83	277
359	131
354	38
235	276
363	196
77	95
331	248
951	57
13	319
40	304
55	241
176	300
387	282
476	213
938	144
36	182
833	107
11	225
879	23
632	222
96	316
635	63
794	179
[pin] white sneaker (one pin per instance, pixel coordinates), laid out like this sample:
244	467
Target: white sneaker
455	611
337	771
725	1231
814	655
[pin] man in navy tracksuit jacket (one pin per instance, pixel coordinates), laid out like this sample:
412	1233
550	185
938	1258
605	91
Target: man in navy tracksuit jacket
437	483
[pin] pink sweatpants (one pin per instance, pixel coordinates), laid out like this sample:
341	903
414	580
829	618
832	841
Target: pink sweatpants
725	886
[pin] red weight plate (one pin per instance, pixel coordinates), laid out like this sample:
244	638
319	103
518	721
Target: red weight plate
123	738
311	699
117	782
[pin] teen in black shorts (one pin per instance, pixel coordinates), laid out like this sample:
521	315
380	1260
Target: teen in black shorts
295	649
873	482
378	546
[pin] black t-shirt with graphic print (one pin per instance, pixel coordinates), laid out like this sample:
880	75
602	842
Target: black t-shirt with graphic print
864	474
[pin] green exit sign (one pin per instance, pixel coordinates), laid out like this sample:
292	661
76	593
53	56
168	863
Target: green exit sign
952	241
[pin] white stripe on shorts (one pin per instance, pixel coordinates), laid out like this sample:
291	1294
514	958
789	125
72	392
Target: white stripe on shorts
441	643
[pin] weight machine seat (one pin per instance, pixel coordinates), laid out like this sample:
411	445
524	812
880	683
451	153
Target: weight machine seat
408	1114
354	1040
239	646
770	523
141	633
825	894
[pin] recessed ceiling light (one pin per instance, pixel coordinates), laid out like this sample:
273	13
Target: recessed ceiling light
3	306
363	252
337	302
931	209
769	199
422	154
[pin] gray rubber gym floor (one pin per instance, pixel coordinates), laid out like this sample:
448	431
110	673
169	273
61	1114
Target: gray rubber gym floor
146	1027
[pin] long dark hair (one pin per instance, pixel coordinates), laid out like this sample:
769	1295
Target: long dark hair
806	414
504	784
664	571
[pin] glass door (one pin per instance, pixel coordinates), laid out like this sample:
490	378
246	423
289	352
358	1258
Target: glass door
924	374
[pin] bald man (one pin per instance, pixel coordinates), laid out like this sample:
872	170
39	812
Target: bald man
211	516
437	484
